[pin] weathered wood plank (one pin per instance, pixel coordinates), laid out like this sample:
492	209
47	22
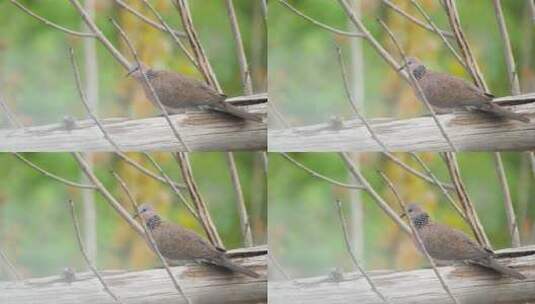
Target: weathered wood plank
200	284
468	132
469	284
202	131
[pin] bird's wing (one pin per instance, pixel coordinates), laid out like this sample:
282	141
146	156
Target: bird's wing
446	91
445	243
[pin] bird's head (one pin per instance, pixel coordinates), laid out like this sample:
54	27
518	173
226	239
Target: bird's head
145	211
416	214
136	70
414	66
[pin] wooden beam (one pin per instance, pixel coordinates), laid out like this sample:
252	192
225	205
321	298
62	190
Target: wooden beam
470	284
468	131
202	131
200	283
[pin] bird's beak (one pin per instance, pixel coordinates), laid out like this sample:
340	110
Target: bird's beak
135	215
132	70
403	215
402	67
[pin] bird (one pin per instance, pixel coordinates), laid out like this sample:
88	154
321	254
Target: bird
178	244
446	92
177	92
447	245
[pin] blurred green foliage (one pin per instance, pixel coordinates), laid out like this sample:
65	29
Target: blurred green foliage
305	80
36	229
304	230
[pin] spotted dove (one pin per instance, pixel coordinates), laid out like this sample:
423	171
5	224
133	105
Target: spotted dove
180	244
447	245
177	92
446	92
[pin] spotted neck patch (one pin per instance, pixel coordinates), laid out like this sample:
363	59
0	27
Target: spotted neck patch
153	222
420	220
419	72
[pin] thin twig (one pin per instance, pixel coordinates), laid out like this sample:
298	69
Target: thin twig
52	175
106	194
417	173
320	24
381	203
455	23
419	90
508	204
444	191
532	10
11	118
200	205
83	98
149	236
444	39
4	258
99	35
202	60
245	73
170	183
245	224
464	199
146	19
146	171
420	243
172	33
381	51
352	102
149	84
320	176
278	266
84	254
341	217
264	8
398	10
514	83
50	23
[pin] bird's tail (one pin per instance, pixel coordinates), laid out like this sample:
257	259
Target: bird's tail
228	264
236	111
493	264
503	112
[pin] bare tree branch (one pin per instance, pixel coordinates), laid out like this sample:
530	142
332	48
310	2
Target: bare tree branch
84	254
352	255
245	73
50	23
467	205
318	175
145	19
11	268
381	203
99	35
106	194
83	98
199	203
245	224
398	10
52	175
320	24
508	204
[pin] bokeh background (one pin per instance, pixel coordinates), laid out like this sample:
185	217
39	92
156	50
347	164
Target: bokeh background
305	235
36	229
305	82
37	81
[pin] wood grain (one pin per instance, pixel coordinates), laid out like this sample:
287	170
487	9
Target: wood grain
469	284
468	131
200	283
